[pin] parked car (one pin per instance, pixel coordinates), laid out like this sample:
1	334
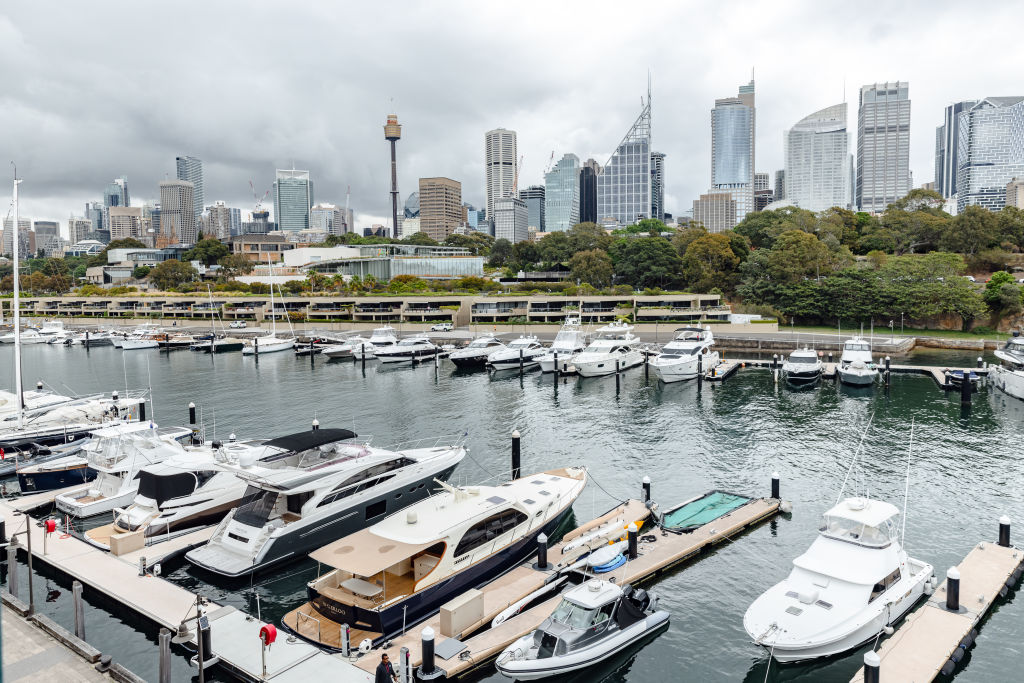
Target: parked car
442	327
237	324
970	278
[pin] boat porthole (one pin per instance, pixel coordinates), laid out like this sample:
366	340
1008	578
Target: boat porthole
397	496
412	489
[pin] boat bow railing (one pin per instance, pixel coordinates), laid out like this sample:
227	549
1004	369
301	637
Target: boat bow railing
447	441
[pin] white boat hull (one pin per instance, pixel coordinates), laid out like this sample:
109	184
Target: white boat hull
512	363
677	370
607	365
72	505
133	344
269	347
547	361
857	377
1010	382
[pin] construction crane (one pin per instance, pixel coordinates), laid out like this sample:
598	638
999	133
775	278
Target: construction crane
551	163
257	197
515	178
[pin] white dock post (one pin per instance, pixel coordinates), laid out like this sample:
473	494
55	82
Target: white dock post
76	593
165	656
872	666
12	567
404	666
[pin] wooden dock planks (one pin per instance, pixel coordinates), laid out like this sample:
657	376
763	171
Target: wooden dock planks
928	636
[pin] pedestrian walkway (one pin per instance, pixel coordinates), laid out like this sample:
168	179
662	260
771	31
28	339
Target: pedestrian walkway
30	654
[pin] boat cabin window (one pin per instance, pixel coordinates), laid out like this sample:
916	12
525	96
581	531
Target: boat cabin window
576	616
162	487
852	531
297	500
857	347
255	507
809	360
884	584
487	530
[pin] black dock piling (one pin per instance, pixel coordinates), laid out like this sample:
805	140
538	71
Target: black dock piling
775	486
647	489
953	589
872	666
1004	531
516	460
631	535
542	552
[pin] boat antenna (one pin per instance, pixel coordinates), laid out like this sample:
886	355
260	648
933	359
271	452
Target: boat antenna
149	379
906	488
853	461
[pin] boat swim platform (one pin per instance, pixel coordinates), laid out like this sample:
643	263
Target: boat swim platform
929	636
653	558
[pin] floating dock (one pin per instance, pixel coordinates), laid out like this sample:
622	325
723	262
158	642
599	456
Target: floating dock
933	639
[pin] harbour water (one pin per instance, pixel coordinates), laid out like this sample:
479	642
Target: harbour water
965	474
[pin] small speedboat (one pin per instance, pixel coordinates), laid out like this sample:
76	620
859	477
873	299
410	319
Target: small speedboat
526	349
856	366
475	354
593	622
1009	375
803	367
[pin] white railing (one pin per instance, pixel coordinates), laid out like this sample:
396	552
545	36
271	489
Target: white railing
303	615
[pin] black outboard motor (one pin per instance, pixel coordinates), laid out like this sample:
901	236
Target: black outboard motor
640	598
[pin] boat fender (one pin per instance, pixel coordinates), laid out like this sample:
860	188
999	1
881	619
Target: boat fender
365	645
888	630
786	507
967	642
957	655
948	668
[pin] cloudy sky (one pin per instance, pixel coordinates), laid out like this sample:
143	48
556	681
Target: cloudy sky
96	90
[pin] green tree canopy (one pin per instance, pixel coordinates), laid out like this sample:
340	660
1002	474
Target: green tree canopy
709	262
593	267
587	236
421	238
970	231
172	273
555	247
207	251
501	253
647	262
236	264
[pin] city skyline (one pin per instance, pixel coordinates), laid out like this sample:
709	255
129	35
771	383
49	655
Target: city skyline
98	132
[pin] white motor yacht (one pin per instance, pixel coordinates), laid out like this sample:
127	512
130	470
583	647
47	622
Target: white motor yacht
327	487
91	338
570	340
268	344
475	354
1009	375
382	338
803	367
689	350
117	455
526	348
614	349
28	336
852	582
408	350
386	578
345	348
856	366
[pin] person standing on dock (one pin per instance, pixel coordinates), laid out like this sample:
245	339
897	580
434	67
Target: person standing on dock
385	672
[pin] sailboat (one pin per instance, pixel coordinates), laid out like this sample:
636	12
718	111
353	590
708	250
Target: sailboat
217	343
270	343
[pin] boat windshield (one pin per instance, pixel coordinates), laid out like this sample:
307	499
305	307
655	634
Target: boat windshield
850	346
575	616
255	507
482	343
803	360
521	343
853	531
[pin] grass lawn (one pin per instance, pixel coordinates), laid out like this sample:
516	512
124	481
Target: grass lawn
907	332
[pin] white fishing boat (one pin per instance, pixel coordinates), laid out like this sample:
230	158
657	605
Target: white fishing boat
570	340
856	366
803	367
691	350
1008	376
614	349
526	350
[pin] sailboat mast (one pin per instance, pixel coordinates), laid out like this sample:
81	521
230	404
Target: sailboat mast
18	387
273	315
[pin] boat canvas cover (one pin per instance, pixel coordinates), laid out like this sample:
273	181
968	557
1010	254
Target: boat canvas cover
365	553
303	441
703	510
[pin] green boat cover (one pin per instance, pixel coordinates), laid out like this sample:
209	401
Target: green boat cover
703	510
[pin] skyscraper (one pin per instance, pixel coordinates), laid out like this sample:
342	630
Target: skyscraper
191	169
562	194
818	160
78	229
328	218
624	186
716	211
588	191
534	197
780	185
412	206
440	206
500	164
733	128
94	212
393	133
116	193
763	194
510	219
990	151
177	214
658	185
217	220
293	198
126	222
883	145
947	137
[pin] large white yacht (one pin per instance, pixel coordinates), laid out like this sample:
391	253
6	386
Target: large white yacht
28	336
345	348
475	354
526	347
1009	375
856	366
803	367
402	569
570	340
66	421
117	454
408	350
383	337
852	582
678	359
614	349
302	499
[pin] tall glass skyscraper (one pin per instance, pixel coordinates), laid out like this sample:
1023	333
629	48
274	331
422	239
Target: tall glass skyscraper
947	137
191	169
116	193
883	145
990	151
818	160
562	194
534	198
733	126
658	185
624	187
500	163
293	198
588	191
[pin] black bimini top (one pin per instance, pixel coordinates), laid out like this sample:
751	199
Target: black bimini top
303	441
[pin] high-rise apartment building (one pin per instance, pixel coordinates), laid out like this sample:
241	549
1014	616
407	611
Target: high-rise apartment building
116	193
46	228
990	151
440	206
126	223
328	218
624	186
562	195
191	169
947	138
177	214
883	145
26	238
500	163
716	211
217	220
94	212
780	185
817	154
588	190
293	198
733	129
534	196
763	194
78	229
510	220
658	185
1015	193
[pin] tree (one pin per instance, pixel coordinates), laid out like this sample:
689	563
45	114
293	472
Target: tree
234	265
478	242
141	272
525	253
917	221
100	259
421	238
1002	295
1010	226
762	227
207	251
407	283
709	262
555	247
587	236
683	238
501	253
646	262
796	255
593	267
172	273
970	231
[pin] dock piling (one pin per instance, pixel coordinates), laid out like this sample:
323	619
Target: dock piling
965	388
427	669
346	643
542	551
775	486
520	362
556	367
647	489
3	531
516	455
316	424
311	352
12	567
165	655
981	362
404	666
39	385
191	413
79	608
631	534
1004	531
700	371
872	667
953	589
142	566
256	346
142	411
